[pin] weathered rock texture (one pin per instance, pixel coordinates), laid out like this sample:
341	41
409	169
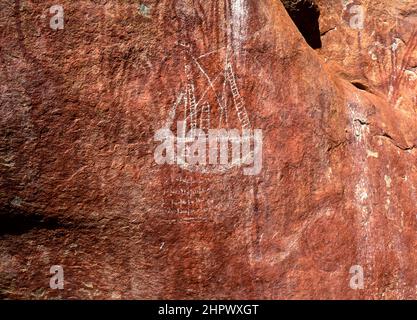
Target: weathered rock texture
80	187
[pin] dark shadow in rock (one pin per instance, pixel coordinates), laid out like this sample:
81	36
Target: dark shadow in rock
16	222
305	14
361	86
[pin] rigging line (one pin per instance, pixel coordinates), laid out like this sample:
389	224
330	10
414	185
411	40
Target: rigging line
207	89
209	53
209	81
172	112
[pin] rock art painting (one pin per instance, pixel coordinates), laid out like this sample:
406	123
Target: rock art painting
224	149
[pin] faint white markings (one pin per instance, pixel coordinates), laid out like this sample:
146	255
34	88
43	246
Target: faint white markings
204	130
238	101
239	10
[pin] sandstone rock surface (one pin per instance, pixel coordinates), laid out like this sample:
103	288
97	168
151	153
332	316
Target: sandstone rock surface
337	105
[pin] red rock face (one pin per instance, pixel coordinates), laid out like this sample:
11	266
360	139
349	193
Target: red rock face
81	188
